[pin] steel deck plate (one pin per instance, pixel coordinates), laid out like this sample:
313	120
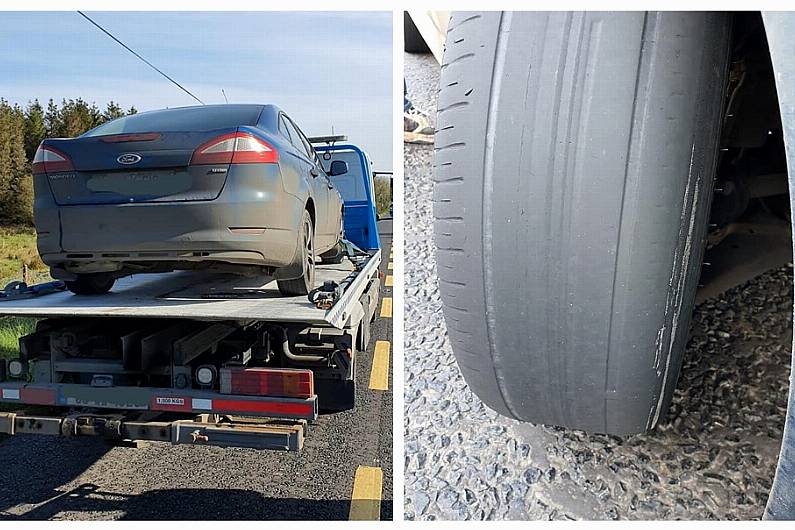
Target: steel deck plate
201	296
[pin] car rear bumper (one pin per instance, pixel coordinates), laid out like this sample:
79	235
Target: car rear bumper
252	222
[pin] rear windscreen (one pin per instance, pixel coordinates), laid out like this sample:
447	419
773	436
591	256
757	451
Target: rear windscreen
188	119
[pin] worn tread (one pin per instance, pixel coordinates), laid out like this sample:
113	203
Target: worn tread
537	270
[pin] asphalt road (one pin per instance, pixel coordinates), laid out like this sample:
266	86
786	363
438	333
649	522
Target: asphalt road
49	478
713	457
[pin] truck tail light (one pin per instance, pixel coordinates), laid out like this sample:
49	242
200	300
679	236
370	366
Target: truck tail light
235	148
50	160
272	382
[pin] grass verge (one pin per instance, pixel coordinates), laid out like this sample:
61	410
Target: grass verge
18	248
11	328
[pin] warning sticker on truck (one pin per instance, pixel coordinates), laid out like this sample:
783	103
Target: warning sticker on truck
170	401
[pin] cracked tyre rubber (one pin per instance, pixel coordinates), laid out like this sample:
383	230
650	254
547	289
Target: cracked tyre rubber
575	158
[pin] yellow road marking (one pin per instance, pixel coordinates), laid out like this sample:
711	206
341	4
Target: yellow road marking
389	266
386	308
388	282
366	497
379	375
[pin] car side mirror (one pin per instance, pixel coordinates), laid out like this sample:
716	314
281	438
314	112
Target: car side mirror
338	167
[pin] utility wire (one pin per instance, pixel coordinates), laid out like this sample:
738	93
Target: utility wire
158	70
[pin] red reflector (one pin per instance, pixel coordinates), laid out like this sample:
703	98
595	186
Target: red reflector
37	396
235	148
265	407
139	137
275	382
50	160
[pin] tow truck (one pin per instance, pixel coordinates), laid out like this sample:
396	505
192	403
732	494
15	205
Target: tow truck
200	358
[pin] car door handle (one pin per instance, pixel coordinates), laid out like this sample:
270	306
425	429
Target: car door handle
314	172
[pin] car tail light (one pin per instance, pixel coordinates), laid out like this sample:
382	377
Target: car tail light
235	148
273	382
50	160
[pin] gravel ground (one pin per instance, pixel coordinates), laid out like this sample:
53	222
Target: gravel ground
713	457
85	479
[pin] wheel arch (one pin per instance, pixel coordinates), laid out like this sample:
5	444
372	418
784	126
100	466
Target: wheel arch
780	28
310	207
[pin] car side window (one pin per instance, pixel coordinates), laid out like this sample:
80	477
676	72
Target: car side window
310	150
295	137
283	128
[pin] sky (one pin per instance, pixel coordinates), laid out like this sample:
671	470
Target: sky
322	69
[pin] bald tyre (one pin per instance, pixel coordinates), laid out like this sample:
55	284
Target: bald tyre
575	157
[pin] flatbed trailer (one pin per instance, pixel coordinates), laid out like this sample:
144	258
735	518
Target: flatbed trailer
205	296
201	357
124	365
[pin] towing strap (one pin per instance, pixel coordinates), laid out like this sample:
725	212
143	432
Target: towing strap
16	290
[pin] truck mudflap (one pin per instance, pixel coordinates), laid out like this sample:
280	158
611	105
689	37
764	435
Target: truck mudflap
205	429
158	400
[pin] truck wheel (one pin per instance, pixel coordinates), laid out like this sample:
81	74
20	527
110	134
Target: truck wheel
303	284
97	283
575	157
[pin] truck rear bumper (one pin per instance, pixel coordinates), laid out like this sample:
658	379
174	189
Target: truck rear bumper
199	431
157	400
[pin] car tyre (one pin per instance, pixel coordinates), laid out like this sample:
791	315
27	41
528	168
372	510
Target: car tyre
575	157
87	284
302	285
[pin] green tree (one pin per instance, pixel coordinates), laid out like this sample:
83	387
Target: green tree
77	117
16	184
112	111
21	132
383	196
52	120
35	128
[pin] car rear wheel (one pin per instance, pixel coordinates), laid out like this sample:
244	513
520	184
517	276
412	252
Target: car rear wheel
575	157
91	284
306	282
